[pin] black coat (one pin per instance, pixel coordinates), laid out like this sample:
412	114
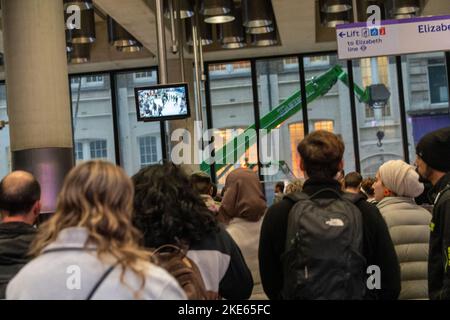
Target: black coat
377	244
439	253
15	240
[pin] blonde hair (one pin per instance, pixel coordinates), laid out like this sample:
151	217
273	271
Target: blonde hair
294	186
98	196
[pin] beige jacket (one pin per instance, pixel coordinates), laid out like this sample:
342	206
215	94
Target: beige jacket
408	226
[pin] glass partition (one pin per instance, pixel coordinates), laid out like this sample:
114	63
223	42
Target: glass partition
380	137
5	153
140	142
92	118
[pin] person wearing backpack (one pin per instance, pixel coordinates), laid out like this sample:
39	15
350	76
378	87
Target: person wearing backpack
433	164
168	211
322	243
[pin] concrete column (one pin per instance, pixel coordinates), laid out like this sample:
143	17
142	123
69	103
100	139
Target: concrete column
38	92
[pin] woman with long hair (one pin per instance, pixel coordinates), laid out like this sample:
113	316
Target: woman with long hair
169	211
89	248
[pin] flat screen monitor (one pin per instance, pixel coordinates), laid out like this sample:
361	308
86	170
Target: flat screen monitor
162	102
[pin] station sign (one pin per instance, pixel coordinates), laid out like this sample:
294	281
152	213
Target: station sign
393	37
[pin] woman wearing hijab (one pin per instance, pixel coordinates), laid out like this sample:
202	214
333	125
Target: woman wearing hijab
396	186
242	209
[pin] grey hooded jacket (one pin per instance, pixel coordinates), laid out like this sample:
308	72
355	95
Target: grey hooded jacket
408	226
66	270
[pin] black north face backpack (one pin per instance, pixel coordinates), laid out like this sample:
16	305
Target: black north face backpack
323	257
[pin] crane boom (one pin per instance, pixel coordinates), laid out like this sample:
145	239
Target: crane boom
315	88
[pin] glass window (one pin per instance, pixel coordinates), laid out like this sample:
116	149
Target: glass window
5	154
375	68
380	137
148	148
438	83
331	111
279	81
296	135
426	95
140	142
98	149
324	125
75	80
92	118
94	79
217	67
143	76
317	61
79	153
232	108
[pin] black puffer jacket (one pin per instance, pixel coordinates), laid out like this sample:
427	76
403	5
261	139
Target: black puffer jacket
439	256
15	240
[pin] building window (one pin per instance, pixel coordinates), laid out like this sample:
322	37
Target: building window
290	63
149	150
79	156
218	67
296	134
324	125
98	149
75	80
437	75
317	61
94	79
143	76
241	65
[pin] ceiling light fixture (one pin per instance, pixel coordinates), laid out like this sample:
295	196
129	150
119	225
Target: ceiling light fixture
335	6
232	33
205	32
260	30
81	53
86	34
118	36
406	6
265	39
257	13
186	10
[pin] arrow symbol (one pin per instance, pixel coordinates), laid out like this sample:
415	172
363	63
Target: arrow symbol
342	34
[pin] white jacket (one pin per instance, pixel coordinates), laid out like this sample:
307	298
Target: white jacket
53	275
408	226
246	235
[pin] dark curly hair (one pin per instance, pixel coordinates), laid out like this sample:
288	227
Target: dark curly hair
167	209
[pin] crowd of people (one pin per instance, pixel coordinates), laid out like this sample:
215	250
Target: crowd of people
326	236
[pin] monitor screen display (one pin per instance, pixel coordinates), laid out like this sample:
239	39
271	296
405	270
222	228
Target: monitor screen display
162	102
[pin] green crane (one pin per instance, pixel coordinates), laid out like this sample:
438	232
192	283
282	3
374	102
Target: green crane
315	88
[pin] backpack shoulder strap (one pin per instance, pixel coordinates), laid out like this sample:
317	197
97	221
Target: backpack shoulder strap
297	196
101	280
